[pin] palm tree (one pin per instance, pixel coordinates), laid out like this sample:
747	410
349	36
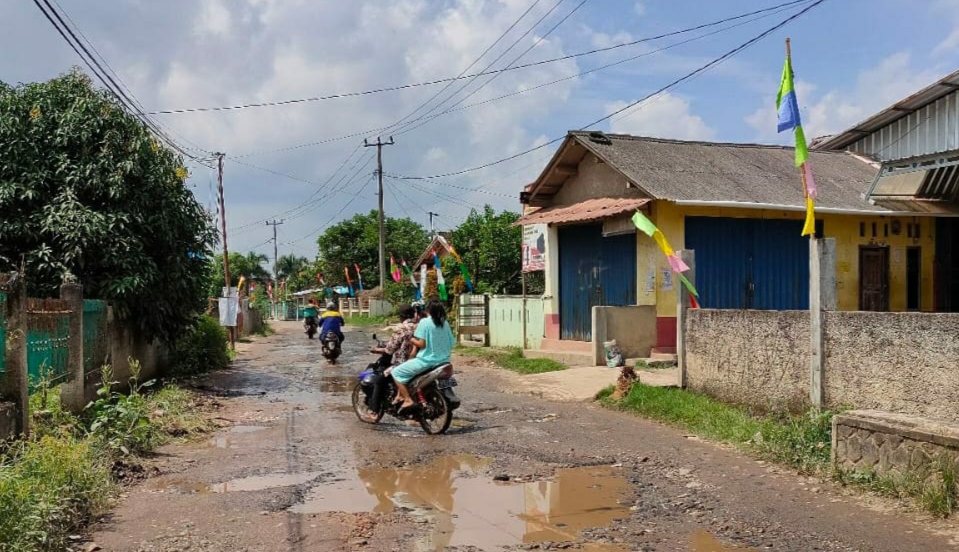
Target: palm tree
254	266
290	265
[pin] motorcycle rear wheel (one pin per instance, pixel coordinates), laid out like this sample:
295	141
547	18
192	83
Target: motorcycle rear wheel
360	408
436	415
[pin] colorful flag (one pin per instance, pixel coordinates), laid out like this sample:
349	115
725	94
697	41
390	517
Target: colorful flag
269	290
359	276
787	107
440	282
349	283
422	290
239	285
409	272
466	274
395	270
675	262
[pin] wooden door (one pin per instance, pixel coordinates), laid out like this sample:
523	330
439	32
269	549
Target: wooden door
874	278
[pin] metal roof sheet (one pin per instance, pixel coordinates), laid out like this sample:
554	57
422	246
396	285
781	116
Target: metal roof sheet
591	209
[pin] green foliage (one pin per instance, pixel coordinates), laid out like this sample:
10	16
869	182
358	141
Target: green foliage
367	320
249	266
121	423
932	488
490	247
399	294
201	349
801	441
356	240
49	487
290	265
177	413
513	359
86	191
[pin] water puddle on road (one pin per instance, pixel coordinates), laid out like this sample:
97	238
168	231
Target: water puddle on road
243	484
462	510
337	384
702	541
227	439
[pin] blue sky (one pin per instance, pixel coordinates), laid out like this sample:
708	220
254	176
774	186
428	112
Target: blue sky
852	57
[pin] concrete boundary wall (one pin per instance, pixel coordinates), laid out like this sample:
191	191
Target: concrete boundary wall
891	444
506	321
633	328
906	363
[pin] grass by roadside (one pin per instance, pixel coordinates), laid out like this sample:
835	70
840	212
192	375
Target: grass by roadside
367	321
800	441
64	476
513	359
803	442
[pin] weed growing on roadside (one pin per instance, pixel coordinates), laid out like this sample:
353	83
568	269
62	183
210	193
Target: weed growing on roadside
933	488
513	359
48	488
121	423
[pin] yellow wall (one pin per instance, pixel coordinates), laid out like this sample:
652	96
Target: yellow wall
670	218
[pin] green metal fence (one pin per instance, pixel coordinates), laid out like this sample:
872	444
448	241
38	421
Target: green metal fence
3	332
48	336
95	340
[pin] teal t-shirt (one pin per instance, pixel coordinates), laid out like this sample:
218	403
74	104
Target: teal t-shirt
309	311
439	341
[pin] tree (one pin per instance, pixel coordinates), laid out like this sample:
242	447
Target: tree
356	241
290	265
250	266
87	192
491	247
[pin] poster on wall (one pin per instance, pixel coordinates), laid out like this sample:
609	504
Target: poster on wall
667	282
534	247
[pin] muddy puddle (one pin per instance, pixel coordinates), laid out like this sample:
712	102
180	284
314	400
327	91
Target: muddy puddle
702	541
337	384
462	509
243	484
228	438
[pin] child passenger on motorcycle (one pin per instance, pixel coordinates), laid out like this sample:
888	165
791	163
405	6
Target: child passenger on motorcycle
400	346
434	340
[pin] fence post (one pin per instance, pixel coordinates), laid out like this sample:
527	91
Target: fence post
71	392
486	339
822	297
15	385
682	303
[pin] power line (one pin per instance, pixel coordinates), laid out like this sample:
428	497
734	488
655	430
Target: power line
761	14
107	77
337	214
672	84
536	43
463	77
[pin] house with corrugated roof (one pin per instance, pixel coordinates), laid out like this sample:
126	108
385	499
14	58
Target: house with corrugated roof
739	207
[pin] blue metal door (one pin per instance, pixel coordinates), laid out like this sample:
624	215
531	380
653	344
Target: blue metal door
750	263
593	271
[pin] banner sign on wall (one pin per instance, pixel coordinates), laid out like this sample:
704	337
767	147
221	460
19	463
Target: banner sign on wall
534	247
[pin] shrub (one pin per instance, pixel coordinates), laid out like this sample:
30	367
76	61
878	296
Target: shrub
49	488
201	350
121	423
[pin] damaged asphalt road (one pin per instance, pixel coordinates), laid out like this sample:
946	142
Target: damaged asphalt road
296	471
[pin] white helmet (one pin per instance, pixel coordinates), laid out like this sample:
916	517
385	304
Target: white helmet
330	305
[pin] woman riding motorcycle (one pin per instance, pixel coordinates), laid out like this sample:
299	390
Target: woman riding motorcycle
434	342
400	347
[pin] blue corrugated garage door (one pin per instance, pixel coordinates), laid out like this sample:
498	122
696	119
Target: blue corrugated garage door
593	271
750	263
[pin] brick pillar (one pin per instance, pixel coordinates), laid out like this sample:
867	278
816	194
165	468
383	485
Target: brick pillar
14	384
72	394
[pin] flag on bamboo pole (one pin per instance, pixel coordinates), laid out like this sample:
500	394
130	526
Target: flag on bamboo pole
409	272
440	282
787	107
676	263
466	274
239	285
395	270
359	276
349	283
422	290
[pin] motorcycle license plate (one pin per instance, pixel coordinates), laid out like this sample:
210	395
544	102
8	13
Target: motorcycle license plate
446	383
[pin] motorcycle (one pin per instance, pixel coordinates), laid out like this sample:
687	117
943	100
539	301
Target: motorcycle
331	347
432	393
310	324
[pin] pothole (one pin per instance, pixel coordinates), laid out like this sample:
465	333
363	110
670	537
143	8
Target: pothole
464	510
243	484
227	439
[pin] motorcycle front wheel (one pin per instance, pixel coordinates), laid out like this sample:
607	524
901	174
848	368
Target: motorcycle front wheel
436	415
360	408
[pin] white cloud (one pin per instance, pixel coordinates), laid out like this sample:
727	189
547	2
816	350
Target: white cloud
665	116
893	79
639	7
950	10
214	19
604	40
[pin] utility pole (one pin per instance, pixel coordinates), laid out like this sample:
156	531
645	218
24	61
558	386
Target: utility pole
432	214
226	251
276	272
379	172
274	224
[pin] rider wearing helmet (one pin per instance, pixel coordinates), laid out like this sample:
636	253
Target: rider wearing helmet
331	321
